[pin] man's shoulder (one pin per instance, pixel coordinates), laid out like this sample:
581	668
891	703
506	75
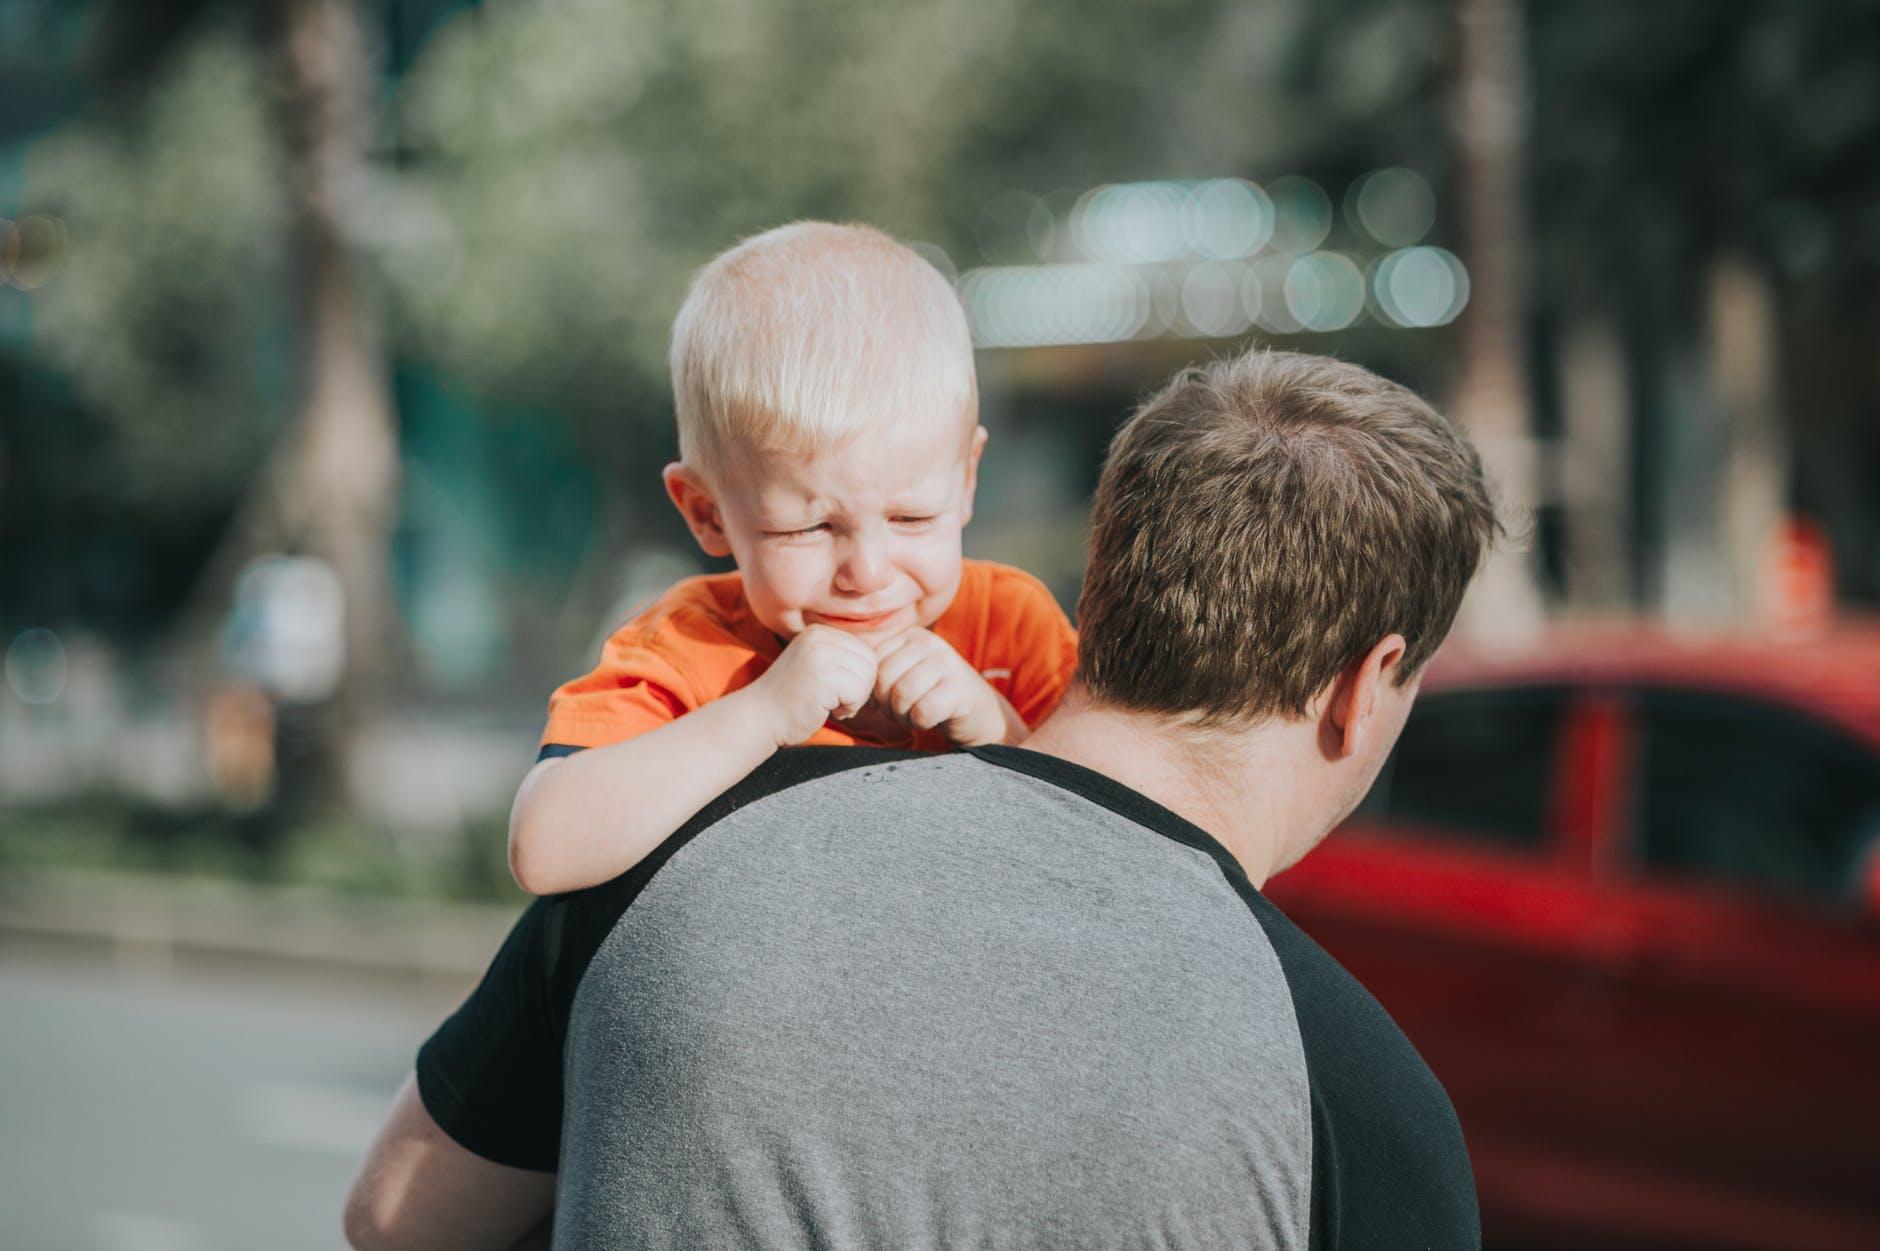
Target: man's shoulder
1382	1122
786	769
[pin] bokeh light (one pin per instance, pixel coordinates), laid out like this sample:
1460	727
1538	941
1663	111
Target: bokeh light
1324	291
36	666
1264	295
1302	214
1419	287
31	250
1132	222
1228	217
1211	300
1395	206
1036	305
1165	303
1252	294
1204	259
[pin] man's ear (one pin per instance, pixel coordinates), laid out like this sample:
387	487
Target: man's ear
692	496
1350	712
972	472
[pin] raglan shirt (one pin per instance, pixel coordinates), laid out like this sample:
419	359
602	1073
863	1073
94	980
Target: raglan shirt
699	641
871	998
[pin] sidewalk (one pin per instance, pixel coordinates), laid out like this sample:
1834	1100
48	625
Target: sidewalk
158	924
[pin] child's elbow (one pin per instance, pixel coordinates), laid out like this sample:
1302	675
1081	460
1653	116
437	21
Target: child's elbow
528	864
531	850
532	859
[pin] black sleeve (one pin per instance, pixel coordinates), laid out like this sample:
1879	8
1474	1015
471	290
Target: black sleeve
1389	1168
555	751
491	1074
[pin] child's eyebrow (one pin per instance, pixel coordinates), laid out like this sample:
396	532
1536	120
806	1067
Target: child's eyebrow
920	502
788	520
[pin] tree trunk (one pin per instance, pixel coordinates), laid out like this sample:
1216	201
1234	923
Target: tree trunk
336	480
1755	484
1594	464
1491	393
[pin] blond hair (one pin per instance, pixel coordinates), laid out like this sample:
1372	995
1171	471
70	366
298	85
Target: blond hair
804	335
1262	522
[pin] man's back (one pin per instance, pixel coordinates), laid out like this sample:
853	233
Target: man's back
972	1000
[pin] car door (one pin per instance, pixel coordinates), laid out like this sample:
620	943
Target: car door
1745	1092
1462	895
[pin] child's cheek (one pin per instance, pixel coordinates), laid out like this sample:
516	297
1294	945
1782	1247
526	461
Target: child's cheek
800	578
938	572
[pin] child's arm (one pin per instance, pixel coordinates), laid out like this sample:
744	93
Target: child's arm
932	687
584	819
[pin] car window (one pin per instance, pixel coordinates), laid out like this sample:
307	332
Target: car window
1756	795
1473	765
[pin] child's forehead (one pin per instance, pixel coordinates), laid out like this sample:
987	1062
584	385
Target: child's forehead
924	457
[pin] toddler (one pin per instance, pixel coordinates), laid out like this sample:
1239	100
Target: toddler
829	442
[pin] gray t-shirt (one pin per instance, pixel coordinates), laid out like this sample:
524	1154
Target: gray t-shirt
874	999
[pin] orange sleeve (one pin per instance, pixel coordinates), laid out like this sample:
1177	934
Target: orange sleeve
634	689
1027	633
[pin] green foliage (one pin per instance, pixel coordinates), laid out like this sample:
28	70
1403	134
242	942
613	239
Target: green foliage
167	316
326	855
574	162
551	172
1666	133
563	167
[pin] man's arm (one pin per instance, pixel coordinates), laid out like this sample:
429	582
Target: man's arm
419	1190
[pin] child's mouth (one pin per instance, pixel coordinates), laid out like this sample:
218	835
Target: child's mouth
857	625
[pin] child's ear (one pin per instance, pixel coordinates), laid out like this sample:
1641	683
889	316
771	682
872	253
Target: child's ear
692	496
972	472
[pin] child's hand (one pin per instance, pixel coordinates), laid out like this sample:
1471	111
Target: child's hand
822	673
928	685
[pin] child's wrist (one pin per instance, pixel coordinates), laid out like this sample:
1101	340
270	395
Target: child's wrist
756	717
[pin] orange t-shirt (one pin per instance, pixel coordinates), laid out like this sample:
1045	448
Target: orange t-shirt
699	641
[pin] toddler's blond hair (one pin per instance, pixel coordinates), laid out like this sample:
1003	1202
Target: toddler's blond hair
802	336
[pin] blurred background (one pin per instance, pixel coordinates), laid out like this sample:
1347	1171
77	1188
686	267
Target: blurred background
332	406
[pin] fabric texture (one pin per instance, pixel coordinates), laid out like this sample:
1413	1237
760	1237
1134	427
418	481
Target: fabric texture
877	999
699	641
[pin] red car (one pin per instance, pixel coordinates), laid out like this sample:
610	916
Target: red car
1623	891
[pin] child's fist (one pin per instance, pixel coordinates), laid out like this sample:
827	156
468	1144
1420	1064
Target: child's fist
929	686
822	673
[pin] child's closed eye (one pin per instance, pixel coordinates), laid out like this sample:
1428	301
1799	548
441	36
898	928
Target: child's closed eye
801	532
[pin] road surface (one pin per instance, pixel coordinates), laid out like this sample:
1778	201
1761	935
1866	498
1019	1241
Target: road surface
171	1112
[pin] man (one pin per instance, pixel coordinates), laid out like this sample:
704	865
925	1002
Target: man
1025	997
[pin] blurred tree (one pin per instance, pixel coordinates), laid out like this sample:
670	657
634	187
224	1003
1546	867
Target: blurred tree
1492	391
172	331
166	316
578	159
1689	156
567	166
546	175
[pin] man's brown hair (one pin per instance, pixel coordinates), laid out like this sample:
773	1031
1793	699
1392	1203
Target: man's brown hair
1261	522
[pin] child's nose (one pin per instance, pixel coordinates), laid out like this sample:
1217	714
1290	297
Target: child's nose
863	568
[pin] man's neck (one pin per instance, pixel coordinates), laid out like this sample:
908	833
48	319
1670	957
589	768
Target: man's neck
1238	785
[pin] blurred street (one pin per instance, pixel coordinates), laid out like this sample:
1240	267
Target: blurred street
184	1112
335	396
